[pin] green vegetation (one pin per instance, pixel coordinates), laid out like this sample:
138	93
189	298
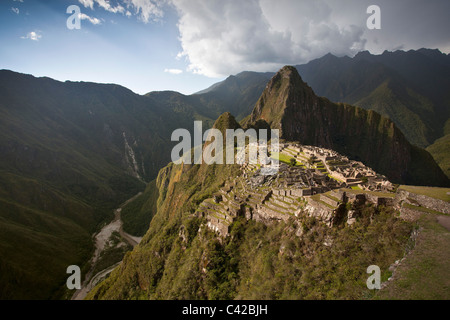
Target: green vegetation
65	166
136	215
440	150
260	262
438	193
115	250
423	275
403	106
374	193
331	177
419	107
179	258
419	208
282	157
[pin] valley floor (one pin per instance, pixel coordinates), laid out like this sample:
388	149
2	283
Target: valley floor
110	237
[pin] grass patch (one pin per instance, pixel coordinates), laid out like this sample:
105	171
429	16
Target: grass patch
437	193
328	195
423	209
374	193
113	253
424	273
285	159
137	214
316	198
331	177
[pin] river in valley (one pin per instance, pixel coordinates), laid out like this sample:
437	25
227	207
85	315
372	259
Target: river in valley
101	240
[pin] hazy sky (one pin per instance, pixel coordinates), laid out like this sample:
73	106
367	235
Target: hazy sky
187	45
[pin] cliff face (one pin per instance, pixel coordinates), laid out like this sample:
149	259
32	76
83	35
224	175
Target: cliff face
290	105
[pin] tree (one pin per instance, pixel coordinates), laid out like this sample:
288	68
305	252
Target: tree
293	161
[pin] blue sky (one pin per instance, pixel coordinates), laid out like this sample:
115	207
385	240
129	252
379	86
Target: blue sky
187	45
121	49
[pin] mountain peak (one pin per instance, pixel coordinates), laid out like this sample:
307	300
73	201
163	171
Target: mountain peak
226	121
281	93
289	72
291	106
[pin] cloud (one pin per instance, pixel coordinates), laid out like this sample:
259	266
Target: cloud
21	1
108	7
87	3
145	10
15	10
173	71
222	37
92	20
104	4
33	35
219	38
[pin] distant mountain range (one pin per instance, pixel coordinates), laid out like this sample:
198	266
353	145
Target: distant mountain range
411	88
73	151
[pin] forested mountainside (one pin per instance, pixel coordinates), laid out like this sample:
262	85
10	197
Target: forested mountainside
273	250
411	88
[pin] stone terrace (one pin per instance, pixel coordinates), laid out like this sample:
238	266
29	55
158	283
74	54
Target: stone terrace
310	188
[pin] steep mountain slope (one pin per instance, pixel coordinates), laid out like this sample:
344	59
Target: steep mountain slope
291	106
411	88
181	258
404	107
440	150
430	75
71	152
237	94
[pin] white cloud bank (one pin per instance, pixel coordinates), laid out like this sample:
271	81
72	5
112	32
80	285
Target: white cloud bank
222	37
225	37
